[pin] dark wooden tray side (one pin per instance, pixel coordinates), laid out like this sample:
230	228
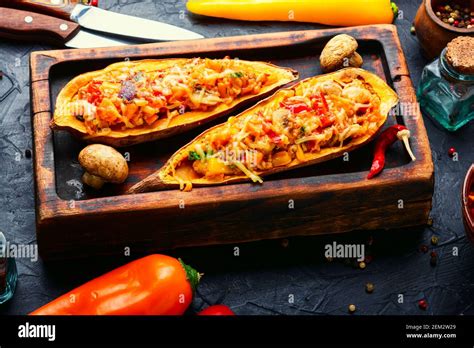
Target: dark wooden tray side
228	214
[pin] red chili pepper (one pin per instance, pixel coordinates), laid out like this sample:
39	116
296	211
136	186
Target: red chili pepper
217	310
320	105
326	121
387	138
95	95
325	103
274	137
271	134
296	108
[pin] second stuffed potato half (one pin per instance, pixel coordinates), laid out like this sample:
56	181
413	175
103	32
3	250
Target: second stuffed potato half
315	120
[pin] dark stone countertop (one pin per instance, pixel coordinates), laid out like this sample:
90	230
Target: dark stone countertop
266	276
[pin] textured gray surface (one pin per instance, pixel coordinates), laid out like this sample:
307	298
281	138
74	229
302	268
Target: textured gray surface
266	277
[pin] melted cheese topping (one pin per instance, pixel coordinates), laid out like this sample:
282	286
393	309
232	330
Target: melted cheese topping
128	97
304	122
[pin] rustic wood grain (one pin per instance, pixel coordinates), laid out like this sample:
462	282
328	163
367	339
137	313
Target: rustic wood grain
331	202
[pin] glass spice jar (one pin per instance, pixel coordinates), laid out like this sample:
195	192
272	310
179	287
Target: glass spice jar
446	89
8	272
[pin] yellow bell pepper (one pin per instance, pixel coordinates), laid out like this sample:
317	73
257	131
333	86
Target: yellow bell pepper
329	12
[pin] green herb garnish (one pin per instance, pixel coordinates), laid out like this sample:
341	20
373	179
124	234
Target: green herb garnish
193	156
237	74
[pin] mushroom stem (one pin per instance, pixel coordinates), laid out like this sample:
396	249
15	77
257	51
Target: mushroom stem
92	180
356	60
404	135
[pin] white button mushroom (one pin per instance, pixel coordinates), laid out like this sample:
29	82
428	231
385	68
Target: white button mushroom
102	164
340	52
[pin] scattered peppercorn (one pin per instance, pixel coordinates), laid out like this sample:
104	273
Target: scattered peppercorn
369	287
455	15
370	241
352	308
362	265
434	240
433	258
430	222
28	153
354	263
451	151
423	248
423	304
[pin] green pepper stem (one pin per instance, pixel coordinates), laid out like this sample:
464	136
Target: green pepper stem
394	10
192	275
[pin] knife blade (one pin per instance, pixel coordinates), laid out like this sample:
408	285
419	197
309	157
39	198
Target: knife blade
88	39
24	25
120	24
97	19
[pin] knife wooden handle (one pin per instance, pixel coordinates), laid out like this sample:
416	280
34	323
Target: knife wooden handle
24	25
55	8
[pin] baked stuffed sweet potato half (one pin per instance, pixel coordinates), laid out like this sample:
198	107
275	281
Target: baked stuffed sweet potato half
138	101
315	120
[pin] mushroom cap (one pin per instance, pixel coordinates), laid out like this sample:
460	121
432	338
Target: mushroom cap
459	54
339	47
105	162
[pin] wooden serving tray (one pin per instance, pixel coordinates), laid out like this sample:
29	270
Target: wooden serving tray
331	197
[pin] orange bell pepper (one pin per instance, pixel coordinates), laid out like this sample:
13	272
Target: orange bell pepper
153	285
329	12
